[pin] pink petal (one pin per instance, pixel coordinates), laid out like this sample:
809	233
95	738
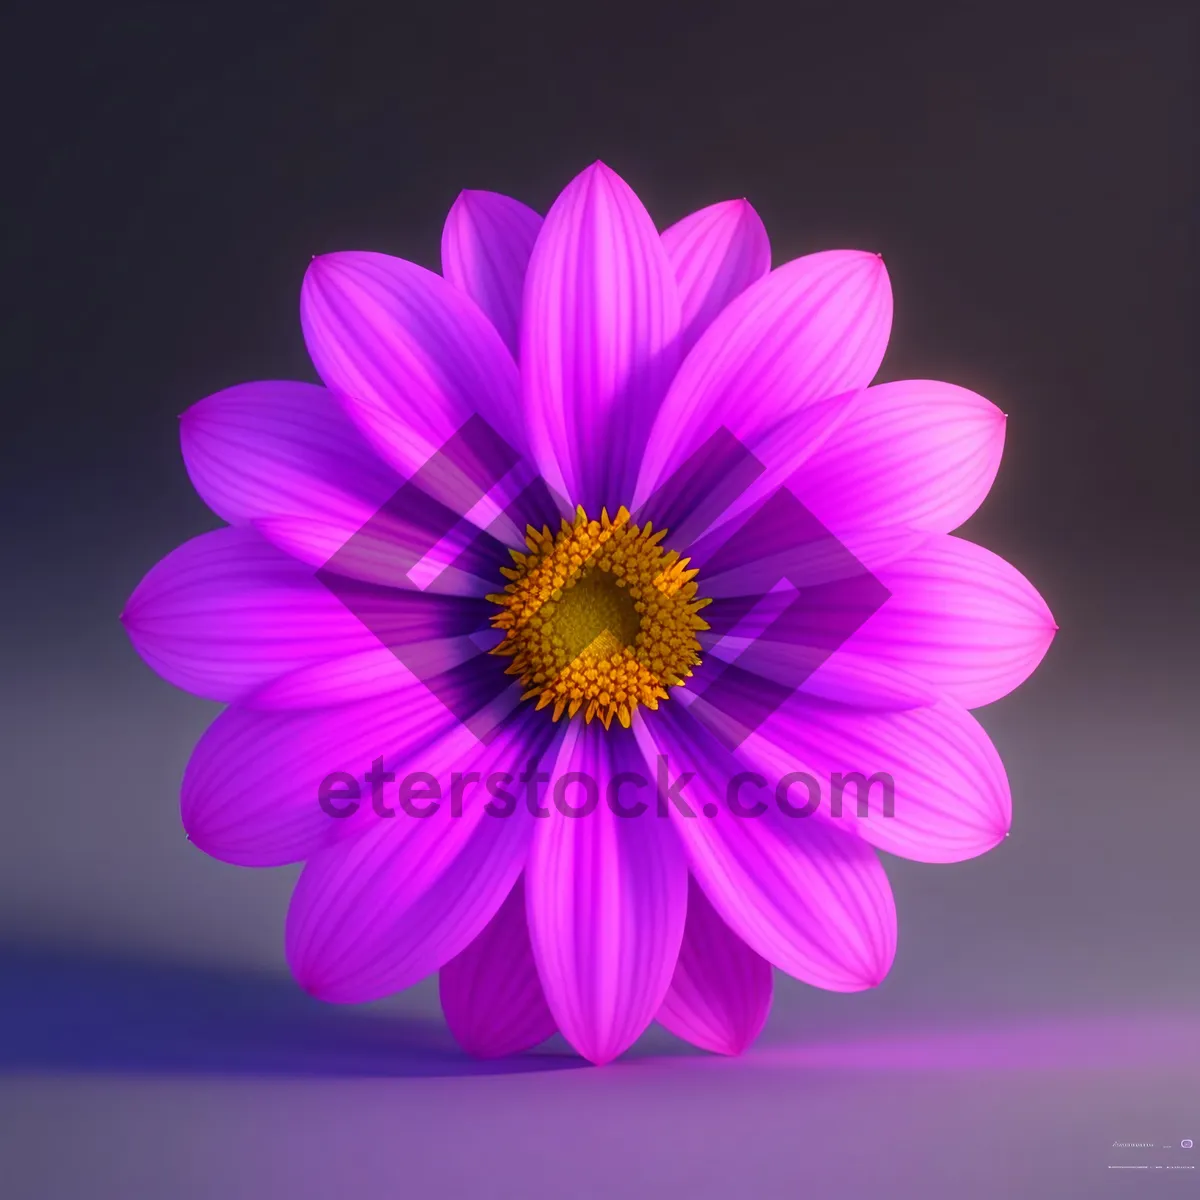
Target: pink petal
808	897
393	549
716	253
951	799
383	909
607	897
272	450
486	244
739	480
915	453
491	994
843	677
410	356
748	565
286	459
813	329
364	675
251	793
721	992
960	618
227	611
599	338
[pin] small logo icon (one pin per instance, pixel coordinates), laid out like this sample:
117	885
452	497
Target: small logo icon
1186	1143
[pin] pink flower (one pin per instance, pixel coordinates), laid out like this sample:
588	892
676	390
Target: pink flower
608	358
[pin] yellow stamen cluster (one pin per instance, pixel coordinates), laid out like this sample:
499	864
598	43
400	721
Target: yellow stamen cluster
598	617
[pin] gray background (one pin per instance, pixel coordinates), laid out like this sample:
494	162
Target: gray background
1031	184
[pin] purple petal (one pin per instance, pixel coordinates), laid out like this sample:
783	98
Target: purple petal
915	453
251	793
599	338
843	677
812	330
721	991
960	618
949	793
486	243
491	994
285	458
743	559
383	909
410	356
394	550
716	254
227	612
736	481
607	897
365	675
810	898
278	450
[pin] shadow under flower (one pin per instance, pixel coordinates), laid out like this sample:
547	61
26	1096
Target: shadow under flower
78	1014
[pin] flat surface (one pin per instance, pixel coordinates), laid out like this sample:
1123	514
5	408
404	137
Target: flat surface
916	1115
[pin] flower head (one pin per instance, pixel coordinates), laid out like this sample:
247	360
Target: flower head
542	619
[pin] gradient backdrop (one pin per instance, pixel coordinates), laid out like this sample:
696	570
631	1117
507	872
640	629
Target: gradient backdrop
1029	176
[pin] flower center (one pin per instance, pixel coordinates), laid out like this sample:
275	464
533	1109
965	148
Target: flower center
598	617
